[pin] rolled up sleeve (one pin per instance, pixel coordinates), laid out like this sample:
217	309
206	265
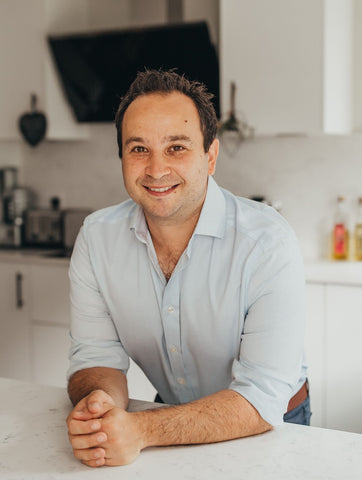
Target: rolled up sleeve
94	339
268	370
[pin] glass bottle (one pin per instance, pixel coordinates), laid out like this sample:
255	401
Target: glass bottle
358	232
340	236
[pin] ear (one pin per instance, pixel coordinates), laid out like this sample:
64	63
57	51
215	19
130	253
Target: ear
212	156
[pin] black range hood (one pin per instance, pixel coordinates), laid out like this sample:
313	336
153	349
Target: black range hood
96	69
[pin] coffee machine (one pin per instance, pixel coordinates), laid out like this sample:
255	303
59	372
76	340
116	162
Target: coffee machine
14	200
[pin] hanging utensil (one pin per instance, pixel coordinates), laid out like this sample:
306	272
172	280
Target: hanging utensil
33	124
233	131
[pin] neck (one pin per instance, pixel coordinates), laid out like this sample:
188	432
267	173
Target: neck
168	236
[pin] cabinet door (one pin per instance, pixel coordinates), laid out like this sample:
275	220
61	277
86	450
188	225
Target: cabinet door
315	351
50	294
50	354
273	51
14	322
50	319
344	358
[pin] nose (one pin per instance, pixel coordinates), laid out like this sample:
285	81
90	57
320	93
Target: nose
157	166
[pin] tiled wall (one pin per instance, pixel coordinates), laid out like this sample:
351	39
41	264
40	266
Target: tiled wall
305	174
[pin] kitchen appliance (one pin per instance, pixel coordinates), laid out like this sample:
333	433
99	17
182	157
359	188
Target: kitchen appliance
43	227
53	227
14	200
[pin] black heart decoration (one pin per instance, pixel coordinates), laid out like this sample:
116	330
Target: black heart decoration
33	124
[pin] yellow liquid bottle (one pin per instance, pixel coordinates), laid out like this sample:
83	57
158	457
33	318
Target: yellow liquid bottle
358	233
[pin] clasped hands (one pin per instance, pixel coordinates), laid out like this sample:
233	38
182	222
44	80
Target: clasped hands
102	433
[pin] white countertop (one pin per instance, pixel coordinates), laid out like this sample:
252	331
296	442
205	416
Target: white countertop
33	256
34	446
338	272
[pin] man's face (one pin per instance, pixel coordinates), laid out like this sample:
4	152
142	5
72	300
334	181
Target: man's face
165	168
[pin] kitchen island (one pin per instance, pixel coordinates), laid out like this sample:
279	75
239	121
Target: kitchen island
34	446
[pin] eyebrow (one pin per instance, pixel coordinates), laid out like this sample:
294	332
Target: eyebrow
175	138
133	139
169	138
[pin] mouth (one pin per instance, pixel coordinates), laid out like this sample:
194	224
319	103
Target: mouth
161	191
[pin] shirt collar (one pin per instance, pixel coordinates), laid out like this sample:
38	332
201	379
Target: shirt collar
212	218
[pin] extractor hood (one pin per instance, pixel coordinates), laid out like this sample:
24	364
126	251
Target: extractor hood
96	69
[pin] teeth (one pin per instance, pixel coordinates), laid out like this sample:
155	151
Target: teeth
164	189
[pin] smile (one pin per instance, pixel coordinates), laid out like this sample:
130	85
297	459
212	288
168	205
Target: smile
161	190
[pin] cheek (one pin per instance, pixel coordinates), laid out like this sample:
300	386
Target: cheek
130	171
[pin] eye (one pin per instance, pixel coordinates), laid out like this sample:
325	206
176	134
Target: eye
139	149
177	148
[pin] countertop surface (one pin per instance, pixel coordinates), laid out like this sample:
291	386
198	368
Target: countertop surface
338	272
33	256
34	446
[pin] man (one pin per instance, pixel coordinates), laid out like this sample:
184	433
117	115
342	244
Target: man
204	290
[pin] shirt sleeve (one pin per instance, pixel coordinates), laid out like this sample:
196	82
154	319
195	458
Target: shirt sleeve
269	367
94	339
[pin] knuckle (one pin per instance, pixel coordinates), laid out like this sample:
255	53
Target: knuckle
78	454
73	441
70	425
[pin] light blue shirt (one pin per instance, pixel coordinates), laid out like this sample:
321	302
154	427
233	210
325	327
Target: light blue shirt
232	315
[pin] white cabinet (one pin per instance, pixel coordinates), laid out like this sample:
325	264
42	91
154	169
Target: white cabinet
292	62
50	320
34	322
344	357
15	357
314	349
334	355
50	345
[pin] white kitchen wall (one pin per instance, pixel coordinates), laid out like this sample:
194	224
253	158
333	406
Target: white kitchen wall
305	174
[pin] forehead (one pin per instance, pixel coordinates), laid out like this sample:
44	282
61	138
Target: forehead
170	107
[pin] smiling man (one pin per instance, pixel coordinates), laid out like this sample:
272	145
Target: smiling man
202	289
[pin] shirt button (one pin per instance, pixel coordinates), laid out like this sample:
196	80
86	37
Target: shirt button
181	381
170	309
173	349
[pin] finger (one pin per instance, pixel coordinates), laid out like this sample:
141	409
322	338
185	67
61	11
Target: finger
77	427
95	463
99	402
80	442
94	457
80	411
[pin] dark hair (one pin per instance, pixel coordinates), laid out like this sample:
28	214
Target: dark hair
158	81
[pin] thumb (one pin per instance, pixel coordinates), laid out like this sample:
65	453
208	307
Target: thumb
95	405
99	402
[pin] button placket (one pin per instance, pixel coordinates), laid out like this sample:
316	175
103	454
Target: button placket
171	322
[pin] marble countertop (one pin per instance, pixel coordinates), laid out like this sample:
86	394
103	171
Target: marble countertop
34	446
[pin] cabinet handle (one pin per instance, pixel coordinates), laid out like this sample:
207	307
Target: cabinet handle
19	290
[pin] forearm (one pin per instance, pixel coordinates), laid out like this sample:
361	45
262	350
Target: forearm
110	380
222	416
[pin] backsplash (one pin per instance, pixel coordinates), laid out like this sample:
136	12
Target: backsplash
304	173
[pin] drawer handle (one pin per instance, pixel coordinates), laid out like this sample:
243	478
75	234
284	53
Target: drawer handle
19	291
